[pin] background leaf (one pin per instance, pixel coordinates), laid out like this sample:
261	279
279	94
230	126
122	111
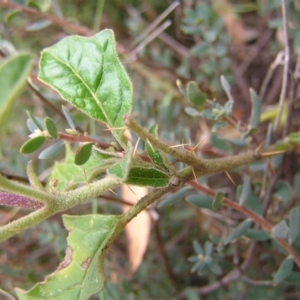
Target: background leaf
103	89
13	73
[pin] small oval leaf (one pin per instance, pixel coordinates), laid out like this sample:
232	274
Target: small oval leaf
202	201
257	235
284	270
51	127
32	144
53	150
256	109
35	121
280	230
195	95
69	117
238	231
246	190
173	198
218	200
83	154
294	223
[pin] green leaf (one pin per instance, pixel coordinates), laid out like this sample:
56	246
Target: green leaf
88	73
147	177
238	231
38	25
294	224
198	248
51	127
69	175
80	275
293	278
215	268
195	95
218	200
52	150
155	155
201	201
69	117
217	126
294	137
32	144
83	154
173	198
257	235
32	127
36	121
226	87
191	294
246	190
121	168
280	230
252	202
191	111
13	73
256	108
40	5
283	191
284	270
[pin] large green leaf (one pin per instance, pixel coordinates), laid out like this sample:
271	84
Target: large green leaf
13	73
147	177
68	174
88	73
80	275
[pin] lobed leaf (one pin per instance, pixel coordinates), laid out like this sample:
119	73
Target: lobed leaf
88	73
80	275
121	169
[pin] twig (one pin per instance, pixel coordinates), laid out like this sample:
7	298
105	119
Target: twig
285	66
148	39
43	99
277	61
57	21
249	213
155	23
163	254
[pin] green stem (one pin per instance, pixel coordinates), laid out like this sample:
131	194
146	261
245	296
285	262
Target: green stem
184	156
26	191
143	203
98	15
55	204
23	223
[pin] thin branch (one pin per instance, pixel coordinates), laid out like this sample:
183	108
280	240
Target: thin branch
57	21
249	213
285	66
